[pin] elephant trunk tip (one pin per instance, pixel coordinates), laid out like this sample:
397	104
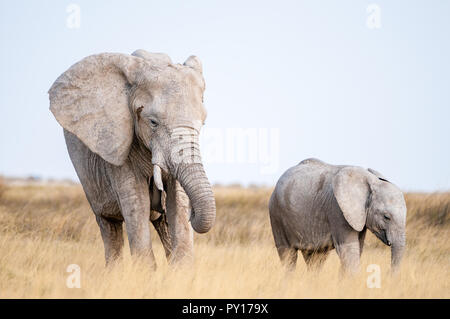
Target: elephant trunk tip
397	252
197	187
203	225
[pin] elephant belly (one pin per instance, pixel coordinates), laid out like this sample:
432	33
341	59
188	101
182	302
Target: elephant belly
301	229
310	234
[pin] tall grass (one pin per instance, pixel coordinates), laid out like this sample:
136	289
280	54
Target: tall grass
43	229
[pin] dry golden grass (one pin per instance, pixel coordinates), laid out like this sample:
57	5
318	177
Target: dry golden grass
44	229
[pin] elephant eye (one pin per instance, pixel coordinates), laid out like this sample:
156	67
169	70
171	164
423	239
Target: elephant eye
387	217
153	123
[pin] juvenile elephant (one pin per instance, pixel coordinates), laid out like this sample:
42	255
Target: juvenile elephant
131	125
316	207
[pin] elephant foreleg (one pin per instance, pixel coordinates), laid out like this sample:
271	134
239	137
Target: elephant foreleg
162	229
112	235
347	248
180	229
133	196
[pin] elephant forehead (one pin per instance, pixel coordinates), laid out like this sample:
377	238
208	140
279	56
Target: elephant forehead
174	89
177	77
171	87
391	197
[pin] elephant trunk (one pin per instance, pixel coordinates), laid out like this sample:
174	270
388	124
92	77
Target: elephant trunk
397	250
186	166
192	178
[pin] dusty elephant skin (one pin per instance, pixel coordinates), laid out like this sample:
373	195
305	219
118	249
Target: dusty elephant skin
131	124
316	207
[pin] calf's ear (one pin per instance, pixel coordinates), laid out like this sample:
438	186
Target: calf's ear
351	190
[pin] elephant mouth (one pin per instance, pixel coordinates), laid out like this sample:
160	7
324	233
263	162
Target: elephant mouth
382	235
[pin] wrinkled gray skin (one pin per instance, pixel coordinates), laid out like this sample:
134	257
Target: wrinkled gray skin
131	124
316	207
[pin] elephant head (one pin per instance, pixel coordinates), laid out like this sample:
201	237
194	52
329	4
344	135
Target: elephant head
367	199
107	100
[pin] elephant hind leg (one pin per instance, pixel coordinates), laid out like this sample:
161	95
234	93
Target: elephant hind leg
314	259
112	235
288	257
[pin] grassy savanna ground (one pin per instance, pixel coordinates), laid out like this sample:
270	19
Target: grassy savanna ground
43	229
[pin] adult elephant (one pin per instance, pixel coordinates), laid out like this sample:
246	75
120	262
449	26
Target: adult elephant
131	125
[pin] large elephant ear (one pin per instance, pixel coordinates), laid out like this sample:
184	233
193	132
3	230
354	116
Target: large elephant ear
90	100
351	190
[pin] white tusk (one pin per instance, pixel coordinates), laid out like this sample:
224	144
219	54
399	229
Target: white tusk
157	177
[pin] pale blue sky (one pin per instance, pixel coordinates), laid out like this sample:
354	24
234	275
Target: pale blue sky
334	88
